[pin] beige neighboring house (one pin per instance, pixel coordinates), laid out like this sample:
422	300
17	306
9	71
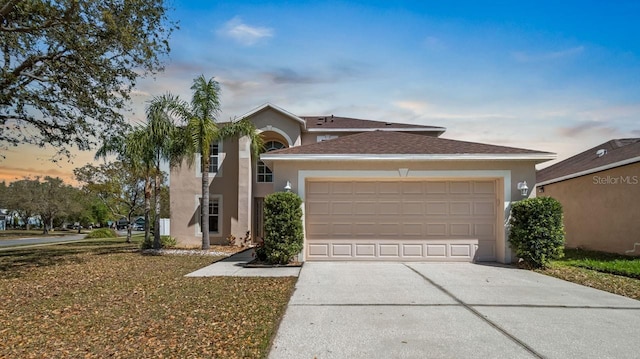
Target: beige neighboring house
371	190
600	192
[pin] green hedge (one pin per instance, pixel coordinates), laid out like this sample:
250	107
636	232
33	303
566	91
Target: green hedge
283	228
102	233
537	231
165	242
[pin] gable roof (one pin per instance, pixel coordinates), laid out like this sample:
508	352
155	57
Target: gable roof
346	124
615	153
266	106
402	146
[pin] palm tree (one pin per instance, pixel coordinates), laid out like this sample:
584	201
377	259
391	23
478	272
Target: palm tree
145	147
199	131
155	146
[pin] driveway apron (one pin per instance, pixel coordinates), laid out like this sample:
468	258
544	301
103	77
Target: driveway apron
450	310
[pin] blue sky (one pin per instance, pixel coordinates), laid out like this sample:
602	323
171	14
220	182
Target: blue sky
547	75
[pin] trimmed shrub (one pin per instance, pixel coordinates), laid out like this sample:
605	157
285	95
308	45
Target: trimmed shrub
102	233
165	242
282	226
537	231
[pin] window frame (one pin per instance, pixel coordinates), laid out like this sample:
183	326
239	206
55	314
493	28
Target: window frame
220	158
212	198
261	168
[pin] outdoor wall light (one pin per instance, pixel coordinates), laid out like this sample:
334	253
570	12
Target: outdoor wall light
287	187
522	187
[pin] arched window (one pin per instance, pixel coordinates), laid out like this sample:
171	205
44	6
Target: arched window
264	173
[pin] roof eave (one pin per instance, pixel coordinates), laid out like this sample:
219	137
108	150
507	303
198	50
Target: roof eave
539	157
590	171
439	130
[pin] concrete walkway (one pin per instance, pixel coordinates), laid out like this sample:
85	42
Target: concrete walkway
233	267
451	310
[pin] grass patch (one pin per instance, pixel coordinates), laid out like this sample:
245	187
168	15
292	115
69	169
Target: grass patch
603	262
102	298
613	273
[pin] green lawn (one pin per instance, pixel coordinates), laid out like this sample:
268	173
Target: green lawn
610	272
603	262
102	298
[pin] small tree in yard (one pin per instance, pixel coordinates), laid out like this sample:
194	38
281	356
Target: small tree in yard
283	227
537	231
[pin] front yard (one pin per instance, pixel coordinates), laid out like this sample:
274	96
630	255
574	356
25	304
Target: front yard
609	272
104	299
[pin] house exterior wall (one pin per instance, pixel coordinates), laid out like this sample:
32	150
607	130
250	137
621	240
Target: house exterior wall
601	210
185	190
508	173
271	120
235	184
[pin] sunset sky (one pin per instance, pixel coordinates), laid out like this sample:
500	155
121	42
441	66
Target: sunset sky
558	76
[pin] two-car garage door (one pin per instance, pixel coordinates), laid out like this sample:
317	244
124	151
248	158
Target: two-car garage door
439	220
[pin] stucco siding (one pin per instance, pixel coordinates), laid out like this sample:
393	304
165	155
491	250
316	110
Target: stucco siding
270	120
601	210
185	189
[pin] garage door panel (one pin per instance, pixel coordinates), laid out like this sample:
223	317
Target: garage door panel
389	207
460	208
484	187
315	188
484	230
365	188
319	250
342	188
341	208
436	187
414	230
412	208
436	229
319	230
390	250
440	250
364	229
457	188
460	229
392	188
365	208
460	250
388	229
342	250
412	250
342	230
365	250
437	208
318	208
412	188
484	208
408	219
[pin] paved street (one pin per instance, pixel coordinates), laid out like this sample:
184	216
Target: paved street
40	240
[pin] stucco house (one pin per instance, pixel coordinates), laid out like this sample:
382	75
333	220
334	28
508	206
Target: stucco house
371	190
600	192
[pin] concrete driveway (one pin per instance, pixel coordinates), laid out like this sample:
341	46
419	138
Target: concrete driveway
450	310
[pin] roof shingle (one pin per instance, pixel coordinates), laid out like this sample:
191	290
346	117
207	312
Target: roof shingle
398	143
616	150
334	122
